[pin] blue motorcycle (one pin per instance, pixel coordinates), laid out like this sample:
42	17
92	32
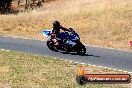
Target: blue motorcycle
69	42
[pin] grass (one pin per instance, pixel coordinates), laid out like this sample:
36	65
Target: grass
20	70
105	23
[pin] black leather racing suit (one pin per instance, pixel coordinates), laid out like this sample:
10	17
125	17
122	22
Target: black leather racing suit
57	31
58	36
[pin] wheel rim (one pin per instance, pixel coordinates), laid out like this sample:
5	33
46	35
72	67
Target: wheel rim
50	45
82	51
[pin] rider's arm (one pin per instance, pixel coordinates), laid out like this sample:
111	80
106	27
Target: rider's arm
65	29
53	30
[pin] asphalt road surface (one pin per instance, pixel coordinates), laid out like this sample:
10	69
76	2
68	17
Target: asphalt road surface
98	56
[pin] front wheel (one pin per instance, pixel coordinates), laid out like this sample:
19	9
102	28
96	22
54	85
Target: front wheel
80	48
50	45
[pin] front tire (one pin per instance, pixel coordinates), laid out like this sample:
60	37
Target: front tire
50	45
80	48
81	51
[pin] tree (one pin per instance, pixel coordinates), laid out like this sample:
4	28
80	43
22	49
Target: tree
5	4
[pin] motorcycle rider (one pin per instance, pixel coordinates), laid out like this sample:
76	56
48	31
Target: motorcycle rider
57	27
56	32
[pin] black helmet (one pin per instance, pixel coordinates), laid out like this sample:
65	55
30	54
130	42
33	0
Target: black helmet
71	29
56	24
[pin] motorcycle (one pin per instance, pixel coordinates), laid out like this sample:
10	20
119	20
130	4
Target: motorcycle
70	42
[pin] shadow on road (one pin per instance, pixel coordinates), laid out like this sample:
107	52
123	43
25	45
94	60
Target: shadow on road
73	53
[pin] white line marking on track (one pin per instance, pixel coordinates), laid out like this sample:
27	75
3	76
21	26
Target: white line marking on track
130	72
104	67
109	68
7	50
100	66
66	60
93	65
125	71
76	62
120	70
114	69
71	61
82	63
2	49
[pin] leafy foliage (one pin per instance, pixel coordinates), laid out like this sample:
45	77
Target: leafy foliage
5	6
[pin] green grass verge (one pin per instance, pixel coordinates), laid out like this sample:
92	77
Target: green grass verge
19	70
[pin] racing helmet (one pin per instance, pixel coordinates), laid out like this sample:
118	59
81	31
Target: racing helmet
56	24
